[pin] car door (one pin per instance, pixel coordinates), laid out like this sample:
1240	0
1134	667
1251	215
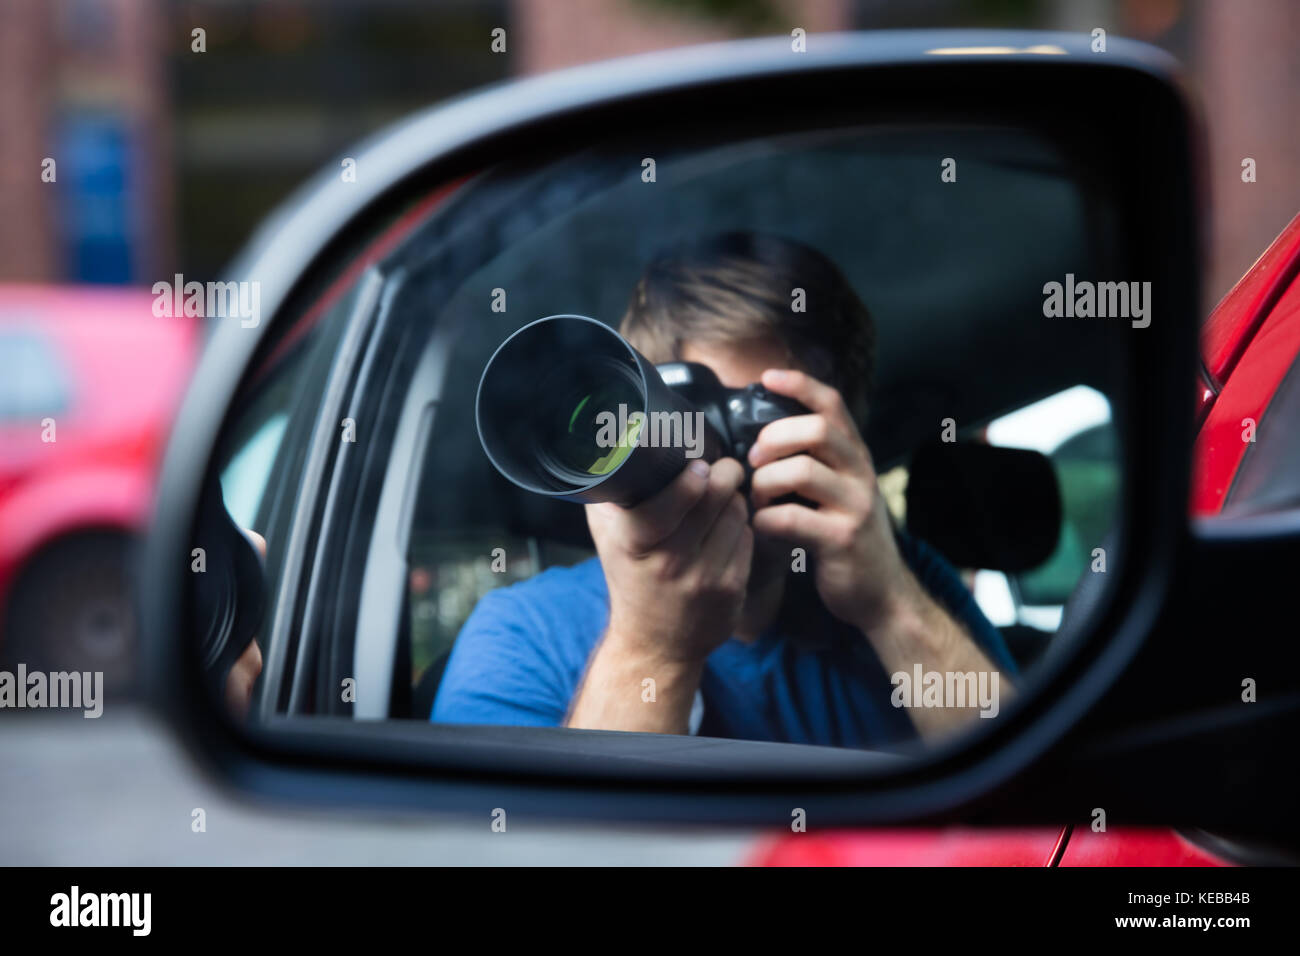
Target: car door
298	411
1245	459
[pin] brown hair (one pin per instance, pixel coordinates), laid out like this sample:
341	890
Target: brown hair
740	287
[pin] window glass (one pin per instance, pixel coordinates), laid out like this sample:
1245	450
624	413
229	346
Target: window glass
1074	429
244	479
961	270
33	383
266	439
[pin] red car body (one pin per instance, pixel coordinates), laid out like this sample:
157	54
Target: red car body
1248	344
110	375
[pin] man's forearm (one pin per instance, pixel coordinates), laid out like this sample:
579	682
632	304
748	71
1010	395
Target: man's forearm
918	630
615	695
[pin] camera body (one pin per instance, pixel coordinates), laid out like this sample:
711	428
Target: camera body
736	414
567	408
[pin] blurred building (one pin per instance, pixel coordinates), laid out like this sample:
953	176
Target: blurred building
553	35
287	85
84	161
166	155
1241	61
1248	74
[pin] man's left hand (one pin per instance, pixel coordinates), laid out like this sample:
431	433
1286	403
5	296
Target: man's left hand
860	574
822	458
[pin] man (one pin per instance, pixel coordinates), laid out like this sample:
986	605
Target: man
695	617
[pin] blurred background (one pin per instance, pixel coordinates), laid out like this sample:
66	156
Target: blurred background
128	155
167	158
146	138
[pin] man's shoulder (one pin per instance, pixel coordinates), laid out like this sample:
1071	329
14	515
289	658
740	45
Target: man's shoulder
941	579
926	563
520	654
556	595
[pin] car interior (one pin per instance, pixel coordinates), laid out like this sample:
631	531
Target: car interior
953	277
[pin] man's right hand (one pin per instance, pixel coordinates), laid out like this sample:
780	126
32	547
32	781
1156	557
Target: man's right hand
677	566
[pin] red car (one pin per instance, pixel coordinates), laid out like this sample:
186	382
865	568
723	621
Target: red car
1246	452
90	380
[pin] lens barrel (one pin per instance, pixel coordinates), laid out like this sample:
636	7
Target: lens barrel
556	414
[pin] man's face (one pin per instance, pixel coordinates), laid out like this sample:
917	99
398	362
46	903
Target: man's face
736	366
739	364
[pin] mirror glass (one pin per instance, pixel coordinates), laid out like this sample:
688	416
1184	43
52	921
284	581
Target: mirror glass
928	512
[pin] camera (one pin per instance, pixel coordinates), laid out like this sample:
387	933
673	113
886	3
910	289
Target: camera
566	407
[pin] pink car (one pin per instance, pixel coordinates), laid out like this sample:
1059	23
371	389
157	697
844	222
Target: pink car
90	380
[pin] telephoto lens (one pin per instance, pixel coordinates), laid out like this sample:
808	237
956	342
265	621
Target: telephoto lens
562	410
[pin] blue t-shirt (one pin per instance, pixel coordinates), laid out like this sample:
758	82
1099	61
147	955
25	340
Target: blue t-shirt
522	654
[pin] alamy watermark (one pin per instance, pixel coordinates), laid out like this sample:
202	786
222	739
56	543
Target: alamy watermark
129	910
922	688
1099	300
58	689
656	430
212	300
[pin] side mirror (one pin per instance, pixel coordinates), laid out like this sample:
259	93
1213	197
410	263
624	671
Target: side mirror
994	197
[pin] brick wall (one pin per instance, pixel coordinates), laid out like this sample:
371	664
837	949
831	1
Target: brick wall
551	35
26	235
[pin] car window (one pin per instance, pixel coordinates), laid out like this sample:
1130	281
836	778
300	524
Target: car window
1268	477
33	382
244	480
262	452
469	531
1075	430
416	533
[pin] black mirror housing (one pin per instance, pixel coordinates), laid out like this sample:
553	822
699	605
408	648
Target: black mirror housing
1121	115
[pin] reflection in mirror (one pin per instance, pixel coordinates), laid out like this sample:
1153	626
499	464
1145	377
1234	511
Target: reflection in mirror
826	451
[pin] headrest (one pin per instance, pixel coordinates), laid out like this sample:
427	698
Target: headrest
984	507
